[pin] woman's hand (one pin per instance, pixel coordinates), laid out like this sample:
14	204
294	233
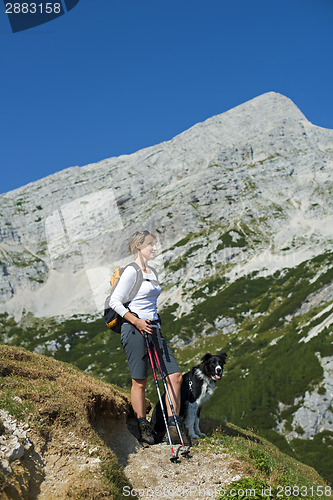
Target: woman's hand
143	325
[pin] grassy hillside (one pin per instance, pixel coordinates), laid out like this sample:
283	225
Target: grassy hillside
60	406
63	407
271	473
84	342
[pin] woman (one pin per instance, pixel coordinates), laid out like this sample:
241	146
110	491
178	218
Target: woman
139	318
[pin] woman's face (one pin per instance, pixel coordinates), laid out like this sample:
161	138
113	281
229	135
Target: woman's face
148	247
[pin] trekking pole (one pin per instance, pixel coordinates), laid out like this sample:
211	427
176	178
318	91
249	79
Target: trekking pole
185	451
174	456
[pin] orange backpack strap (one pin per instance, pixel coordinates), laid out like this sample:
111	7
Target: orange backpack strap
112	319
138	279
115	276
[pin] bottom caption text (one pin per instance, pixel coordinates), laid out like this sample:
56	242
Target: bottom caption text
218	492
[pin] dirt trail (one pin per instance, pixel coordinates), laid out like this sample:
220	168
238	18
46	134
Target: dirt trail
150	470
202	475
153	475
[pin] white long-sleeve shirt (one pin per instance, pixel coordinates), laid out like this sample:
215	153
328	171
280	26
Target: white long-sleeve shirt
144	303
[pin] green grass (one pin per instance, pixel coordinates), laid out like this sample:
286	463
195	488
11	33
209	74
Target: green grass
271	473
181	261
228	240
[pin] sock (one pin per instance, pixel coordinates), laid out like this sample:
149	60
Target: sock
171	420
141	420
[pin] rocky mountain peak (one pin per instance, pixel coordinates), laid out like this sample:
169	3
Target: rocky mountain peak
259	162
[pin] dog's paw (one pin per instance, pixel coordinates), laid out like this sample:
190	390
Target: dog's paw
194	436
199	433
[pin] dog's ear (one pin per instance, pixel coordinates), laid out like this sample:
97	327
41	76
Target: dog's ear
206	357
222	356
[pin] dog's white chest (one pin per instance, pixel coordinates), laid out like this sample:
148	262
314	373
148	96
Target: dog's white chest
207	390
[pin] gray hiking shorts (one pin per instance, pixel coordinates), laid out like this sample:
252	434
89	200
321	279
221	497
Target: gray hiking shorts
135	347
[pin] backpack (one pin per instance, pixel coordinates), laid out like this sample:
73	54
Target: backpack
111	318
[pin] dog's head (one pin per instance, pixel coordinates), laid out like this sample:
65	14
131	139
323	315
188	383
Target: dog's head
212	365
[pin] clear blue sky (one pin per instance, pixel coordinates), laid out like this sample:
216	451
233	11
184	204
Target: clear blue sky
113	76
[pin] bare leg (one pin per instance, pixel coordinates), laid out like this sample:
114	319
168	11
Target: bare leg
138	396
174	382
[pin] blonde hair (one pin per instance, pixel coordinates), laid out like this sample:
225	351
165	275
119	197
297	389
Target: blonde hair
138	237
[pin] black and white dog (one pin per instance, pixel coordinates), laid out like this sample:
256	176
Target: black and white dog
197	387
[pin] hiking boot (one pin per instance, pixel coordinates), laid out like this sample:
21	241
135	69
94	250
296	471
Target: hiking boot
146	433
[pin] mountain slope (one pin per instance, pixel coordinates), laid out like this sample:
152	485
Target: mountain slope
242	207
261	165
